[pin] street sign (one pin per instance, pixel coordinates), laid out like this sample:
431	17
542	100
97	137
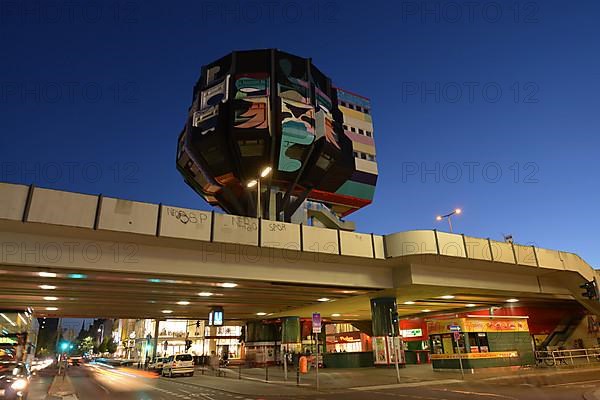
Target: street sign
316	323
454	328
456	336
215	316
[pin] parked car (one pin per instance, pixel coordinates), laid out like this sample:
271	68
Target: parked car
14	380
179	364
157	363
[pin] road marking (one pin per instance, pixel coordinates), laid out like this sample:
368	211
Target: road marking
476	393
573	383
405	385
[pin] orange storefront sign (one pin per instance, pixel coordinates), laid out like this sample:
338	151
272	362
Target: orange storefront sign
471	356
479	325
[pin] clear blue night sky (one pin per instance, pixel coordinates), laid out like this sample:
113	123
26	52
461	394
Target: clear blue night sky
503	88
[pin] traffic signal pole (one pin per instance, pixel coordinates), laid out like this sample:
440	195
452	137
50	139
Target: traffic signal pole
155	346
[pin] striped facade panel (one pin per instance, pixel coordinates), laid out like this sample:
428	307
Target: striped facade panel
358	127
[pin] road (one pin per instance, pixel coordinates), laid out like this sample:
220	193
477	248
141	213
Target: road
90	384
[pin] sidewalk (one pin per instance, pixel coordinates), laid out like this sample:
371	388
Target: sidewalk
339	380
593	395
230	383
61	389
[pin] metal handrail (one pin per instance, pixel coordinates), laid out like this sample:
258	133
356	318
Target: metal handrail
572	354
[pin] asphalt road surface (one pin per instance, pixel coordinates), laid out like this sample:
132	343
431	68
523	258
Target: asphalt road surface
122	385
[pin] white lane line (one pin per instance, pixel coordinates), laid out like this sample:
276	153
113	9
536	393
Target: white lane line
467	392
405	385
573	383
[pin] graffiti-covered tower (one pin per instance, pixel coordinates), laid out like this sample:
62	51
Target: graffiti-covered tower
253	109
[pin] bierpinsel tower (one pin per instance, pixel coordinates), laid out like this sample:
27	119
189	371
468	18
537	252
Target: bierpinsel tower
269	135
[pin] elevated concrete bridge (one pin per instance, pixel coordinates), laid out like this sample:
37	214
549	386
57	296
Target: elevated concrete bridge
72	254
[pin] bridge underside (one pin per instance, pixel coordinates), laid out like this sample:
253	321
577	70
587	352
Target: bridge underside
68	254
95	293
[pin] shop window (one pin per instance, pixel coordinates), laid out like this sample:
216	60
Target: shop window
369	133
478	342
437	346
461	344
353	129
361	131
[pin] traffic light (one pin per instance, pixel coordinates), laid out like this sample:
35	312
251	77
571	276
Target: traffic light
64	346
591	291
188	344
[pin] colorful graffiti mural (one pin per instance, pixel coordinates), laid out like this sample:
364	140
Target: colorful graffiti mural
267	107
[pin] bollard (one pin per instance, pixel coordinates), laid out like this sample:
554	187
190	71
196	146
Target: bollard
240	372
297	376
267	372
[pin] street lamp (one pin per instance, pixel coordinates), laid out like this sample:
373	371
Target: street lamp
256	182
101	332
447	216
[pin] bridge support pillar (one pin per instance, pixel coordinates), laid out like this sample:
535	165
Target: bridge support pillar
384	317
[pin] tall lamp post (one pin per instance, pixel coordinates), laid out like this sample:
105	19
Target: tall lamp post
101	332
448	217
256	182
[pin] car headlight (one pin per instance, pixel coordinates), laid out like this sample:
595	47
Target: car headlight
19	384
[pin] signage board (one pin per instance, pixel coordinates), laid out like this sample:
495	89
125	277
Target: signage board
411	333
454	328
316	323
456	336
215	317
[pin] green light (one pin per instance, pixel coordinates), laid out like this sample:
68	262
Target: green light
154	280
77	276
64	346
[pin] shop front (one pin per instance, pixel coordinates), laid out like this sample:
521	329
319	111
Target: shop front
225	341
480	342
347	347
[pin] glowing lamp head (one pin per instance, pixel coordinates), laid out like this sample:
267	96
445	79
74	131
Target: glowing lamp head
265	172
438	218
458	211
252	183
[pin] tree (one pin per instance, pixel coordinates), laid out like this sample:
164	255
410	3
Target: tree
86	345
43	352
102	347
111	346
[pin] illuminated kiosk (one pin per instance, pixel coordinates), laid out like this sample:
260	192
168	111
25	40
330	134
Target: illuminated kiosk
270	116
479	342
